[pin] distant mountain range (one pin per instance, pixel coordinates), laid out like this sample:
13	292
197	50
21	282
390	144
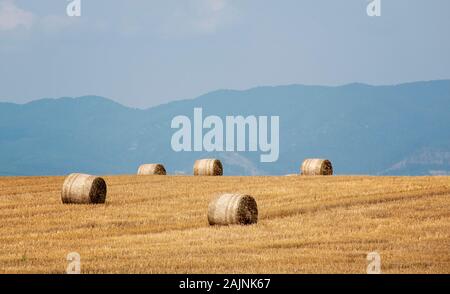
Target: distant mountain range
378	130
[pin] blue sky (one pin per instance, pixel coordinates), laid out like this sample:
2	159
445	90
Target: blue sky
143	53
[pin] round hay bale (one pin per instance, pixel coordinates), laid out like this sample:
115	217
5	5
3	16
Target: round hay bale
229	209
152	169
317	167
83	189
208	167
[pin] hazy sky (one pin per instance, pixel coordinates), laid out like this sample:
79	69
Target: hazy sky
143	52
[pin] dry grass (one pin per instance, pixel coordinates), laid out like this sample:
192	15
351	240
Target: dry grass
159	225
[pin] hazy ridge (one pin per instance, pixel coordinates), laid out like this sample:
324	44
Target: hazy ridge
400	130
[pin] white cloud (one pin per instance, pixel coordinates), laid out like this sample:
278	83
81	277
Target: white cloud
216	5
171	18
198	17
12	16
56	23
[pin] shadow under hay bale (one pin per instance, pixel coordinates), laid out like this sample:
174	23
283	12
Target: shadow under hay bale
316	167
83	189
152	169
229	209
208	167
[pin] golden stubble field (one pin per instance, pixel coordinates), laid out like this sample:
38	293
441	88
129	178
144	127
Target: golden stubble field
158	224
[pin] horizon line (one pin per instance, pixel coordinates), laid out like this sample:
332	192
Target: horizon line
224	89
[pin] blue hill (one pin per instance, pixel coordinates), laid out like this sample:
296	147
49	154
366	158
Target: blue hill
400	130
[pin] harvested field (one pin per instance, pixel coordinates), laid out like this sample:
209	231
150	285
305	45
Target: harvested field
159	225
